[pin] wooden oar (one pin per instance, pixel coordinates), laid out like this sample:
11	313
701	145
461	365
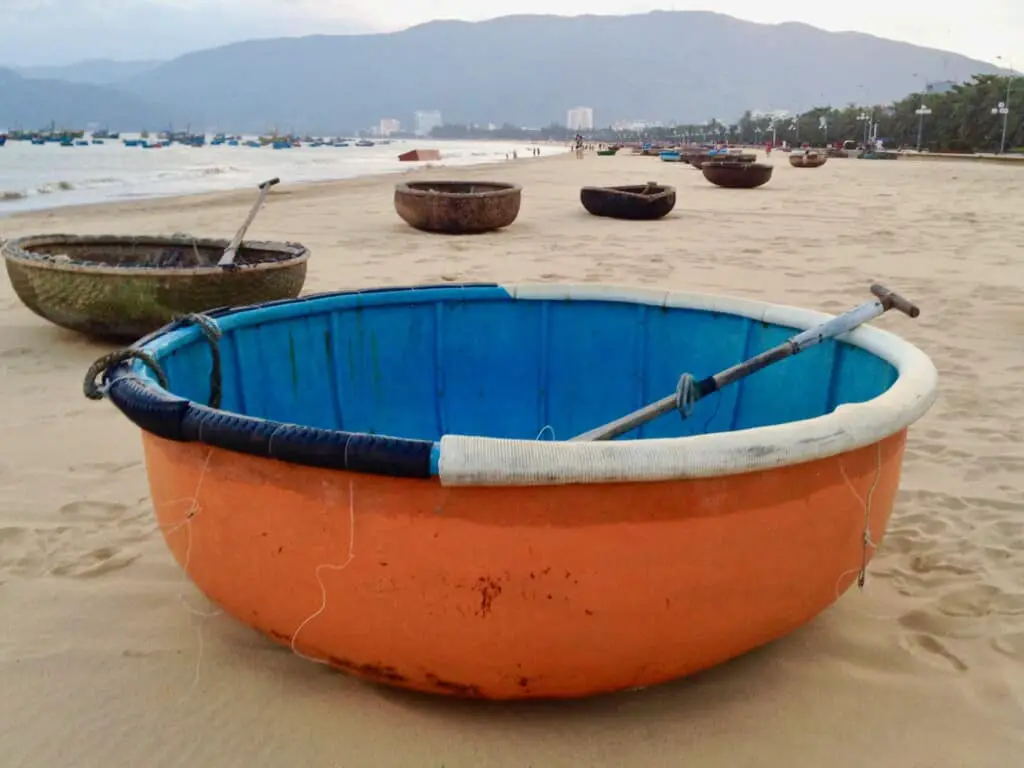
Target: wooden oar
884	301
227	260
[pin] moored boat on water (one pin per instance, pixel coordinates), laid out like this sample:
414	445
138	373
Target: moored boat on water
401	456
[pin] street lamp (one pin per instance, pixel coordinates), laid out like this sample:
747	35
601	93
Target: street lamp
1004	106
1002	109
866	119
921	112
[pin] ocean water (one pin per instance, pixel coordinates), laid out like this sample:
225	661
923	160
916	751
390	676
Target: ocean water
48	176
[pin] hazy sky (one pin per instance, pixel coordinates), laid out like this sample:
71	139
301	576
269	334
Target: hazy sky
59	31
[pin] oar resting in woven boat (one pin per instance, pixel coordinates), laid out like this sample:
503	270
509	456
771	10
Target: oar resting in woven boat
124	287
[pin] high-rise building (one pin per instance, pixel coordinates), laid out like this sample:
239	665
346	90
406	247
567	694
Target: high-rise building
580	119
388	126
427	120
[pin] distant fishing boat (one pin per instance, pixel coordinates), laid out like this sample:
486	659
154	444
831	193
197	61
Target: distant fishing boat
364	143
420	155
670	156
98	141
133	142
3	140
282	144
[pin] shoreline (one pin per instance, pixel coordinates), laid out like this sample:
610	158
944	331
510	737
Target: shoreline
9	208
232	196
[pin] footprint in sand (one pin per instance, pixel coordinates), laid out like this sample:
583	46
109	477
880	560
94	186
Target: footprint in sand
931	650
95	563
94	510
104	467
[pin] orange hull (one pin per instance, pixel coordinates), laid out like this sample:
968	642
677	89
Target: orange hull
519	591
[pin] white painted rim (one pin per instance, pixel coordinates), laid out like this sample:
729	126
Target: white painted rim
473	460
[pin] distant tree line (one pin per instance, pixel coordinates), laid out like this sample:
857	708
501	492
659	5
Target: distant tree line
958	120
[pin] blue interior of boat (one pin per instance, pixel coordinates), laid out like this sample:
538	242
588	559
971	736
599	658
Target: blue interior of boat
423	362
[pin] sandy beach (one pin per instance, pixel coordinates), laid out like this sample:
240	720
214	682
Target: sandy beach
109	657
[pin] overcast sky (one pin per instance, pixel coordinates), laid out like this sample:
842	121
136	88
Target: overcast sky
60	31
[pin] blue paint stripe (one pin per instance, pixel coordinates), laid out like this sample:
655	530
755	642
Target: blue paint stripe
435	460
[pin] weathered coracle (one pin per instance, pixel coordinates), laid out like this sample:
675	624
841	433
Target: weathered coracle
458	207
123	287
636	202
401	456
808	159
698	159
737	175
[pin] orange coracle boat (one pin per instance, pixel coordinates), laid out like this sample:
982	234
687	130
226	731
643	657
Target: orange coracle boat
382	480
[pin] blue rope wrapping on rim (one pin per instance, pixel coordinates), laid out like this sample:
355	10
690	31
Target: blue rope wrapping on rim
686	395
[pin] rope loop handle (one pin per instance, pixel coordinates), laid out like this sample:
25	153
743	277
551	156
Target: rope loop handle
92	387
209	328
95	390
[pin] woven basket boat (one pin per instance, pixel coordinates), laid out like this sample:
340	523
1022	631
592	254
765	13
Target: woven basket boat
737	175
636	202
698	159
458	207
124	287
808	159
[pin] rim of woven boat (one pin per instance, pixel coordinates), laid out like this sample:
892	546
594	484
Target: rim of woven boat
663	189
735	165
477	460
503	188
16	250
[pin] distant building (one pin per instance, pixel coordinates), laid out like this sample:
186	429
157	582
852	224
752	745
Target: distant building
580	119
388	126
770	114
427	120
941	86
636	126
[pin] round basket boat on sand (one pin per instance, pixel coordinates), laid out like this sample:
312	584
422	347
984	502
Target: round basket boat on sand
699	159
458	207
123	287
737	175
809	159
634	202
376	452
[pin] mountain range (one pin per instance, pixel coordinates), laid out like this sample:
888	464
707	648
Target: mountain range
527	70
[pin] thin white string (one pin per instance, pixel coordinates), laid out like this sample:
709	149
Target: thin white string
868	543
193	509
329	567
546	428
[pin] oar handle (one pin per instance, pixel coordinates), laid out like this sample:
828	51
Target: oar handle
891	300
270	183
